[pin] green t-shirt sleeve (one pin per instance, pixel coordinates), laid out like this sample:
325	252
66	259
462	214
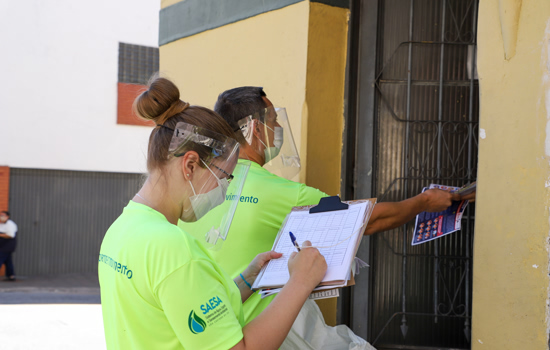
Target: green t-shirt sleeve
196	301
309	195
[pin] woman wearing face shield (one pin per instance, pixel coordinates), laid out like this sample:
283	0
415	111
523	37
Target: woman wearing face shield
160	288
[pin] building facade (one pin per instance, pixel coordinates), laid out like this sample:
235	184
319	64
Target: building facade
386	97
72	153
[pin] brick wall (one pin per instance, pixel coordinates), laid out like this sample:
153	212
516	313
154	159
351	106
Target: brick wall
127	93
4	187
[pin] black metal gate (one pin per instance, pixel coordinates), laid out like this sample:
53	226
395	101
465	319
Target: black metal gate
413	99
62	217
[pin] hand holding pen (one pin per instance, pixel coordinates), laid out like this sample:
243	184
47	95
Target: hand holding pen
293	239
307	267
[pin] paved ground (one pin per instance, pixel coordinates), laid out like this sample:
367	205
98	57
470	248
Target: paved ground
69	284
58	289
51	312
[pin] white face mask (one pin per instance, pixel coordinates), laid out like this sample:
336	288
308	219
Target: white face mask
278	138
272	152
202	203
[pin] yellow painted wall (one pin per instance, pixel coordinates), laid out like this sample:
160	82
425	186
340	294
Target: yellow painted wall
323	117
298	54
325	81
268	50
510	288
166	3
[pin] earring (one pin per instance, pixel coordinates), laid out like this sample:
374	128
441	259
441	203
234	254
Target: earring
188	175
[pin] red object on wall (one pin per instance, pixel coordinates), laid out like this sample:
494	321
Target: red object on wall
4	187
127	93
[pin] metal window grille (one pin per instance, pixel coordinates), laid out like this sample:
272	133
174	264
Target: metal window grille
136	63
424	123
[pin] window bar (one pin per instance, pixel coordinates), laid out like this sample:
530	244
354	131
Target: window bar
404	326
439	132
467	330
440	111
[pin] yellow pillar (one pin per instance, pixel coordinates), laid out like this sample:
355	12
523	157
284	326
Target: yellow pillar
323	117
510	287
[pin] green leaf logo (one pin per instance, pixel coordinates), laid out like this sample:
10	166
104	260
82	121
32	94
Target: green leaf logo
196	324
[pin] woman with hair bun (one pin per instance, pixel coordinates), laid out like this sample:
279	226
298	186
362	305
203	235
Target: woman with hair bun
160	288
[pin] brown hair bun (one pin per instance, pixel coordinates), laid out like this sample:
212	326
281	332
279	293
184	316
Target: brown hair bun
160	102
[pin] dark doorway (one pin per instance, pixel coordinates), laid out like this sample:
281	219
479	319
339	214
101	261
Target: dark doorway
412	119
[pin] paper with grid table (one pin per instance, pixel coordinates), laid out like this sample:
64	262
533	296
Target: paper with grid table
337	234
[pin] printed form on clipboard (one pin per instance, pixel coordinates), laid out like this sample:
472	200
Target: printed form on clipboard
336	233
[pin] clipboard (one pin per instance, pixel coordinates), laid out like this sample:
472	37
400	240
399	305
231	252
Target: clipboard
326	205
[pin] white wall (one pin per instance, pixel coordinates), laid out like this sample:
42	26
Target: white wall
58	92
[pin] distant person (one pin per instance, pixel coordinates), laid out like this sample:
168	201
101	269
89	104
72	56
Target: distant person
8	241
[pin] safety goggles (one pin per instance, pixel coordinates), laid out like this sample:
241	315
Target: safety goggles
229	177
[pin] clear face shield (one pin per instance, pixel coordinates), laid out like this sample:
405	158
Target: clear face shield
269	133
221	175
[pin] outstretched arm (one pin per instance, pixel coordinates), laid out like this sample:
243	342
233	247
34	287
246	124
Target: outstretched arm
388	215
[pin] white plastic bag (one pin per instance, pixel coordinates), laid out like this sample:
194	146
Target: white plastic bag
310	331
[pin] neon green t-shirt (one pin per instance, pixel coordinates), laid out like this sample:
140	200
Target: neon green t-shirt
161	289
265	201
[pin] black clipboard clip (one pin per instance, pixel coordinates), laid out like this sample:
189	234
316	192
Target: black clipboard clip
329	204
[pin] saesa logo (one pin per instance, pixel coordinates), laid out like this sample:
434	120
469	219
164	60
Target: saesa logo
196	324
211	304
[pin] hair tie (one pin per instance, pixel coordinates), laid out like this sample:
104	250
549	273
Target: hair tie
185	105
176	107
